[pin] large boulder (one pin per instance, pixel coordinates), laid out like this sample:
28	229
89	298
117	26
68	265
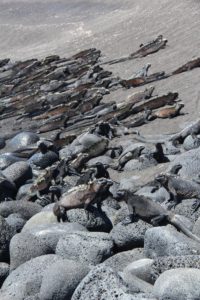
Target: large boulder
7	159
51	233
160	195
16	222
190	163
43	160
23	208
43	217
177	284
88	247
165	263
95	221
120	260
24	246
135	284
167	241
23	139
23	191
127	237
6	233
101	283
184	208
18	173
104	159
26	279
142	269
61	279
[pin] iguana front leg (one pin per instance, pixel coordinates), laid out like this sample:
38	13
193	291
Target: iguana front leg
157	220
195	206
131	217
99	204
173	196
87	208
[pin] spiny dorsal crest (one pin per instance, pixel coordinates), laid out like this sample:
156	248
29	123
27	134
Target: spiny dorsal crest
81	187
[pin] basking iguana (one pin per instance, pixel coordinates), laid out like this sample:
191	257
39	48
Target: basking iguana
152	212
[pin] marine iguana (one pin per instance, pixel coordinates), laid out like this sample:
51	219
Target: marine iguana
142	73
152	212
128	155
193	128
168	112
101	170
180	188
82	196
86	176
140	120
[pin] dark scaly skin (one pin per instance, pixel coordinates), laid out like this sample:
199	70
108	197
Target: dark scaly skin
152	212
82	196
180	188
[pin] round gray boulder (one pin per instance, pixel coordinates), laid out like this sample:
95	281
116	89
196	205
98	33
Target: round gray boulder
185	208
6	233
159	195
43	217
97	221
24	246
177	284
162	264
142	269
87	247
121	260
167	241
26	279
23	191
190	163
23	139
104	159
51	233
135	284
101	283
43	160
61	279
16	222
127	237
23	208
7	159
18	172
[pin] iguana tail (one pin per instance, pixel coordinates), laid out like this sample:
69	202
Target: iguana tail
175	220
159	139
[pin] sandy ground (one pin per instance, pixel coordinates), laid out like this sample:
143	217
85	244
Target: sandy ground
39	28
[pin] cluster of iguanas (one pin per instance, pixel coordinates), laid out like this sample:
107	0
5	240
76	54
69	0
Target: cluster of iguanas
93	187
67	92
67	96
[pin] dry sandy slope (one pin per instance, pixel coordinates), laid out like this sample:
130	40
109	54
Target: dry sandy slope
38	28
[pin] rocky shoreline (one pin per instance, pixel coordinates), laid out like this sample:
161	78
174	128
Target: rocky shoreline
62	144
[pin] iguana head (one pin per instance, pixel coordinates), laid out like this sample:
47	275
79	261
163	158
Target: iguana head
59	212
101	184
122	195
162	179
